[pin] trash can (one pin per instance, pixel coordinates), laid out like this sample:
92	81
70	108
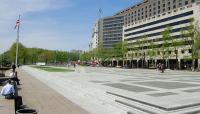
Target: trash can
26	111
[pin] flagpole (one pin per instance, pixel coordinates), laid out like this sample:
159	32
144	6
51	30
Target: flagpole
17	45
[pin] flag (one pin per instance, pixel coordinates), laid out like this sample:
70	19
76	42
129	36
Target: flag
17	23
100	10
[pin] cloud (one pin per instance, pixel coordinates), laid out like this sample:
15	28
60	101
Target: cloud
10	8
9	11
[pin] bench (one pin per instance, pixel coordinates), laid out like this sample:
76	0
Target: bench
3	70
3	80
6	106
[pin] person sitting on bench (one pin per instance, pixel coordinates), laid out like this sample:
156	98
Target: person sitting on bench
13	76
8	90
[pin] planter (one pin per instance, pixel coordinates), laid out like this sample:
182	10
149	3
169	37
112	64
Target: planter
26	111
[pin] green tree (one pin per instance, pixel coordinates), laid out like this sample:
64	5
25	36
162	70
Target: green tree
192	38
152	52
167	39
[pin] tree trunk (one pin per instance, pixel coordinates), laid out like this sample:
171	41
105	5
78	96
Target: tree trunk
198	64
123	63
24	61
168	65
193	65
177	62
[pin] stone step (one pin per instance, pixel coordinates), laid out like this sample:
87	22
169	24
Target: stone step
148	108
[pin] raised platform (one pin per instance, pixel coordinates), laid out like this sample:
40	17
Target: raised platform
45	100
6	106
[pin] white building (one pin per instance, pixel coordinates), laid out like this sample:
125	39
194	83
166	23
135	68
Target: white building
95	36
150	18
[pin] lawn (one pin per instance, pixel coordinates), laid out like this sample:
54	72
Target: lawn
52	69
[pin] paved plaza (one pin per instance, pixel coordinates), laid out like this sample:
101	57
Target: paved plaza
126	91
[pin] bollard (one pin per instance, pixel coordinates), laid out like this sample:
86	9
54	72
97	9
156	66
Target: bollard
26	111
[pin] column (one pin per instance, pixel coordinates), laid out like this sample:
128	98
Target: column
179	63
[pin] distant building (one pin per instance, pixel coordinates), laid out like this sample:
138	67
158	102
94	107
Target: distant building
150	18
112	30
107	31
77	51
96	39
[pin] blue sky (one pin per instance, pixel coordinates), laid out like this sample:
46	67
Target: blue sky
54	24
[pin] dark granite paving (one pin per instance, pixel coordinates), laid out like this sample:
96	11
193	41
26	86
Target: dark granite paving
129	87
95	81
167	85
162	94
192	90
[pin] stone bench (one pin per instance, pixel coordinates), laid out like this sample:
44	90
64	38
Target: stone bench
3	79
6	106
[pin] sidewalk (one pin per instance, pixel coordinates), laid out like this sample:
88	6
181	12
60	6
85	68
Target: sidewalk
45	100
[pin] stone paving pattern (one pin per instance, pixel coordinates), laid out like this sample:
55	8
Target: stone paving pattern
45	100
87	87
6	106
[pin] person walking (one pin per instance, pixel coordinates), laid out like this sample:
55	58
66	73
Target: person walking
162	68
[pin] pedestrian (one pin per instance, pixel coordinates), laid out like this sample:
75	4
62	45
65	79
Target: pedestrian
157	66
8	90
13	67
74	65
14	77
162	68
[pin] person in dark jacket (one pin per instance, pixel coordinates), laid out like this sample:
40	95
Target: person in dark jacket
13	67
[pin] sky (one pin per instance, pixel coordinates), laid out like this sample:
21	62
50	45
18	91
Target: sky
54	24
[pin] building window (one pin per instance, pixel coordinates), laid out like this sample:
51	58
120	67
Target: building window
182	51
174	6
190	50
163	10
149	6
186	2
163	5
176	51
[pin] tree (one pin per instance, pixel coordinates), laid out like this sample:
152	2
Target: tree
151	52
192	38
167	38
22	55
86	56
142	46
120	50
176	43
